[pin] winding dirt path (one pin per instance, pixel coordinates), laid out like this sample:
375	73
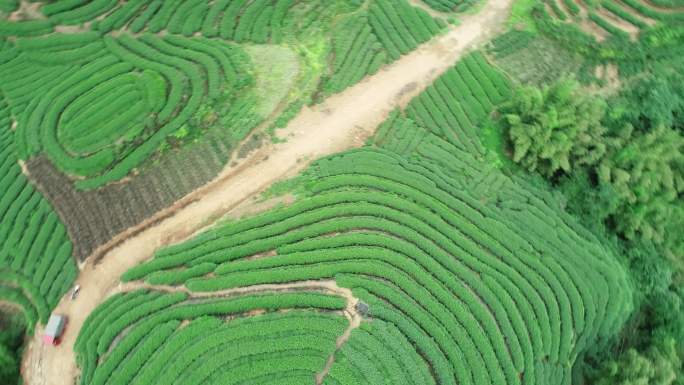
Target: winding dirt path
343	121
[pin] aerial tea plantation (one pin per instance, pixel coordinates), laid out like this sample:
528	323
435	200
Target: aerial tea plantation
36	265
454	259
148	85
159	95
513	220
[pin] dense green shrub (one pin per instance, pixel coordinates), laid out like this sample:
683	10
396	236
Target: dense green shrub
646	172
11	341
36	266
556	128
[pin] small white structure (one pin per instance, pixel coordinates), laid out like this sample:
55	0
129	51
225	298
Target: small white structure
54	329
75	291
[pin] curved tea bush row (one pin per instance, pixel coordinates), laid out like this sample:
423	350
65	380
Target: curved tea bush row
668	3
399	134
446	250
76	11
126	95
364	43
16	296
394	231
445	5
607	25
357	53
100	104
460	100
560	13
36	266
25	28
622	12
259	21
401	27
650	21
378	353
157	349
676	16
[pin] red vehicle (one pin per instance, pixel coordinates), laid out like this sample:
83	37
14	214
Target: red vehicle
54	329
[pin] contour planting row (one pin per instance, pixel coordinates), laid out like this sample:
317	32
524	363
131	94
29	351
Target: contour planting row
458	101
363	42
607	15
100	104
240	20
445	5
137	90
519	311
645	9
622	19
138	337
259	21
36	267
378	353
399	134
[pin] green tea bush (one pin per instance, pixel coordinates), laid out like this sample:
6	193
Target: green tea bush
535	310
35	252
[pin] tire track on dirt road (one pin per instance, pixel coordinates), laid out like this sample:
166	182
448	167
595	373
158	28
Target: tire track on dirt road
343	121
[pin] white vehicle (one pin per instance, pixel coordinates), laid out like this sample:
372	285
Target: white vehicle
74	292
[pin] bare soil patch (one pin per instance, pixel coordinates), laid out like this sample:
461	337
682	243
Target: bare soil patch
28	10
609	73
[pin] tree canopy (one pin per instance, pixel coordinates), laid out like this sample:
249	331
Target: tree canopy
11	338
555	128
655	366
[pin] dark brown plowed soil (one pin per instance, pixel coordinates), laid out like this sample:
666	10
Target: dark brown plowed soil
94	217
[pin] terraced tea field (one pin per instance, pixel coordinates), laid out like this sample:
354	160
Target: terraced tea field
625	19
414	226
36	266
289	192
174	87
618	21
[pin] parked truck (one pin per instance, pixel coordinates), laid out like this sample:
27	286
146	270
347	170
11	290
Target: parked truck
54	329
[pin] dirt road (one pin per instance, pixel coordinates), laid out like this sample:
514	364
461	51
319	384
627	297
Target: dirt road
343	121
